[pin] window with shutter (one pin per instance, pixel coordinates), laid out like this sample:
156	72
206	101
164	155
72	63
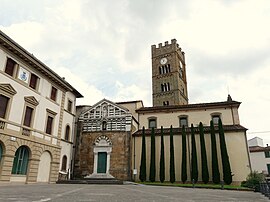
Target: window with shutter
28	116
53	93
49	125
10	66
33	81
3	106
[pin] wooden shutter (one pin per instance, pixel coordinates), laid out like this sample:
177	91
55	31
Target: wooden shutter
49	125
3	105
33	81
28	116
10	66
53	93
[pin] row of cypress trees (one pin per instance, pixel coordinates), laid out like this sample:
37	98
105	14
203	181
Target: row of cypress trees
227	176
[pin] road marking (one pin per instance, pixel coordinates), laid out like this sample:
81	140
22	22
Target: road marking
42	200
58	195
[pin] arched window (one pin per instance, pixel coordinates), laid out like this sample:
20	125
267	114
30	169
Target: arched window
64	163
104	125
67	133
20	162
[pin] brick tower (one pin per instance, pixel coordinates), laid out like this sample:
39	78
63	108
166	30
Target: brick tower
169	81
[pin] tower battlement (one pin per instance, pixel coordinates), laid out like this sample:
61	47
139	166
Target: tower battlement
167	47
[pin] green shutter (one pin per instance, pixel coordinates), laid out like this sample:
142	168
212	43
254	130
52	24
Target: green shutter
267	154
20	162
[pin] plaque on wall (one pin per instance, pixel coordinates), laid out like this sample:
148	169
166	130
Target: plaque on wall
23	75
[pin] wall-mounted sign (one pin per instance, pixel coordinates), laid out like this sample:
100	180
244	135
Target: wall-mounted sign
23	75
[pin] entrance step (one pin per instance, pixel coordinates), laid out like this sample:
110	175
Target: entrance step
91	181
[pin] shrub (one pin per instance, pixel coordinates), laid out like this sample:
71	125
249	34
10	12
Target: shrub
253	179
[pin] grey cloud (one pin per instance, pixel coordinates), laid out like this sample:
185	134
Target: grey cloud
233	63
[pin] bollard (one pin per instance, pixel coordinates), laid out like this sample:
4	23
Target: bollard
222	185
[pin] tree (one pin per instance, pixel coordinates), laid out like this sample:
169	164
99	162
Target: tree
227	173
172	168
184	156
143	159
152	176
215	168
162	158
194	163
205	173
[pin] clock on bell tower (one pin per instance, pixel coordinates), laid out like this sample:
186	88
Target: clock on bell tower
169	82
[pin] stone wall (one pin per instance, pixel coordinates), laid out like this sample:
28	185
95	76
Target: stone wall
120	159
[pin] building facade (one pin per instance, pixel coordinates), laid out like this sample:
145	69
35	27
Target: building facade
259	156
110	146
103	149
37	115
185	115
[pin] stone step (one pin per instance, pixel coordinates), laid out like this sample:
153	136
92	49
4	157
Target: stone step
90	181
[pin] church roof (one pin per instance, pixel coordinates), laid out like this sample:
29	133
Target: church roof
227	128
198	106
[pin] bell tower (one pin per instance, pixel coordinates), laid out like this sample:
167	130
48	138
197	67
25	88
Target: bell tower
169	81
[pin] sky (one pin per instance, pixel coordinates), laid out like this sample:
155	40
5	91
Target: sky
103	48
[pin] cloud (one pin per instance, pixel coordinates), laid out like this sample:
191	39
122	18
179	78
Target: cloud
103	48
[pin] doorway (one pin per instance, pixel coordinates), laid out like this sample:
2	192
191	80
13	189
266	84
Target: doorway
102	162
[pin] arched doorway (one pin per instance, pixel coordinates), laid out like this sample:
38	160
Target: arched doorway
44	167
20	164
102	156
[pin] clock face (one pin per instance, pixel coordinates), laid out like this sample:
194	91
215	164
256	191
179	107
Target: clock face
163	61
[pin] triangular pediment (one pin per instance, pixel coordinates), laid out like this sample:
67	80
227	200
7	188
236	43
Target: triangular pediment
32	100
7	88
104	108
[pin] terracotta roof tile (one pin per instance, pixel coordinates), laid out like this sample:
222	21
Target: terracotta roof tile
227	128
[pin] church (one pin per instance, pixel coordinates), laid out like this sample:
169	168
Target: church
109	134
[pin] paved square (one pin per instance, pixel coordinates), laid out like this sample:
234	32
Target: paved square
62	192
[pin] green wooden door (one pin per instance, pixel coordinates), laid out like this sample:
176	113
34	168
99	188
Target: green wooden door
102	162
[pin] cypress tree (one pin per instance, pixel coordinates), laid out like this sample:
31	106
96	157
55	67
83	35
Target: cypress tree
205	173
172	168
153	157
162	160
143	159
184	156
194	163
227	173
215	169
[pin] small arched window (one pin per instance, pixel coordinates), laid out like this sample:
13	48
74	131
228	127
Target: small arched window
104	125
64	163
67	133
20	162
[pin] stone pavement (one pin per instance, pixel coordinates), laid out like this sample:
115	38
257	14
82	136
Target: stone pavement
128	192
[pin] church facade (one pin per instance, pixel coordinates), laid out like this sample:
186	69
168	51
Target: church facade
109	135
